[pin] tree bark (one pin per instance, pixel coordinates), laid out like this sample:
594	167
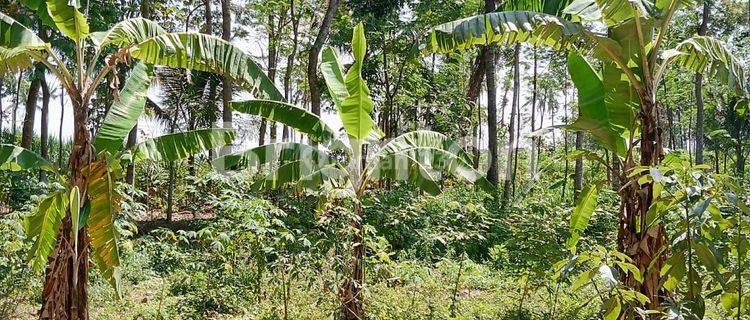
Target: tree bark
700	113
351	293
13	116
489	60
314	53
478	70
2	116
643	243
534	140
565	141
65	293
27	135
273	57
290	64
492	171
226	87
512	125
59	134
44	130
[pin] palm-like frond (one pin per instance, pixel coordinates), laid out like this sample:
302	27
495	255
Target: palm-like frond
176	146
207	53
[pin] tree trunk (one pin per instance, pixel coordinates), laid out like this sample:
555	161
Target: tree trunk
534	140
565	141
700	113
492	171
312	58
59	133
27	135
512	125
489	61
44	131
273	41
642	243
478	70
351	293
739	164
13	116
2	117
65	294
290	64
226	85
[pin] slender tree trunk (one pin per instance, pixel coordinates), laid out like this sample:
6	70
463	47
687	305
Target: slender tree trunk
565	141
290	63
13	116
478	70
312	58
27	135
59	133
739	164
515	148
226	87
699	116
504	103
351	293
489	58
534	140
512	125
492	170
172	173
44	131
65	293
2	115
273	41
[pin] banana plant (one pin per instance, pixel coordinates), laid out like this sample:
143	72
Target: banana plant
94	165
617	104
337	168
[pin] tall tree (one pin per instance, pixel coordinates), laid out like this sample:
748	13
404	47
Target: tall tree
60	132
313	56
294	19
14	110
700	112
44	131
27	133
2	115
628	82
226	83
274	27
535	141
507	183
489	61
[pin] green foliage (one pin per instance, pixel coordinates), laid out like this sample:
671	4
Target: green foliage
207	53
104	206
43	226
68	19
124	113
350	92
16	158
579	218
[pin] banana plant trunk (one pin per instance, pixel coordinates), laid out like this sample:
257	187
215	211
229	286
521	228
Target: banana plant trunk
351	291
646	245
65	294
